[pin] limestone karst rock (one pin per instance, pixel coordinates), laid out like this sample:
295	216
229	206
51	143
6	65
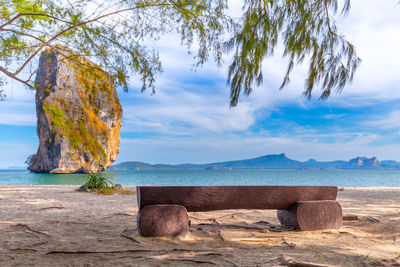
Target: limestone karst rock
78	115
364	162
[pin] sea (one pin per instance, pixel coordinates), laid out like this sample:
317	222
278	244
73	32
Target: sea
345	178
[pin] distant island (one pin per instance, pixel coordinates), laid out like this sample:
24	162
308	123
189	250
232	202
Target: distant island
275	161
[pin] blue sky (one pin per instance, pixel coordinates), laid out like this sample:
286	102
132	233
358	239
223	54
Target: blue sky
189	119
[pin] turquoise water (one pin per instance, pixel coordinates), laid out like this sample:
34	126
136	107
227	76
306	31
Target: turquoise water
389	178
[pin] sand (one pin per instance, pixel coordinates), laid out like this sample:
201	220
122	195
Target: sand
57	226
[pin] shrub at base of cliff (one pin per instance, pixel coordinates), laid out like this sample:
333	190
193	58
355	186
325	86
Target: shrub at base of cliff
96	182
78	115
100	184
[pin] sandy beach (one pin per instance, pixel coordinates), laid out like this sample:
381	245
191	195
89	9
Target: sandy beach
57	226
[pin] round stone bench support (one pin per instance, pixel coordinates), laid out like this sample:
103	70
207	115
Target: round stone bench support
312	215
163	220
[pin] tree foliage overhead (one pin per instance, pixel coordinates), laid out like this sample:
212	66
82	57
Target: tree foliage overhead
307	31
114	34
111	33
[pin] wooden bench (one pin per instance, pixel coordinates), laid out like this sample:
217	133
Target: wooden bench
163	209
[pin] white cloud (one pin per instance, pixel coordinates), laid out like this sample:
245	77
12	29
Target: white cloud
18	119
16	112
333	116
389	121
177	111
374	28
15	91
15	153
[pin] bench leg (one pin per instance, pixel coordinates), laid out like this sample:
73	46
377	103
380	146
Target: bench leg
162	220
312	215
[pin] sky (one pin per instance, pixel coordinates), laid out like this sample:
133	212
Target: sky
188	119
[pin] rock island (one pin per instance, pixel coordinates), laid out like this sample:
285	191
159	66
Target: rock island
78	115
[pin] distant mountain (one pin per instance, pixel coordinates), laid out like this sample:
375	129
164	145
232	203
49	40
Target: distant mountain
390	163
365	163
276	161
14	168
137	165
279	161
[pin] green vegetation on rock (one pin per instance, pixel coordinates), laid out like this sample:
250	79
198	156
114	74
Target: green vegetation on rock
57	117
80	133
94	88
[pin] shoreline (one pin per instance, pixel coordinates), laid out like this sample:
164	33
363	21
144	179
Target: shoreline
134	186
53	225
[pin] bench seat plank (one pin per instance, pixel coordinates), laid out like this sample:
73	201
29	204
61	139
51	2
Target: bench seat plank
208	198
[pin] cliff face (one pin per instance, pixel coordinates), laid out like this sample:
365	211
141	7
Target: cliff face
78	115
363	162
